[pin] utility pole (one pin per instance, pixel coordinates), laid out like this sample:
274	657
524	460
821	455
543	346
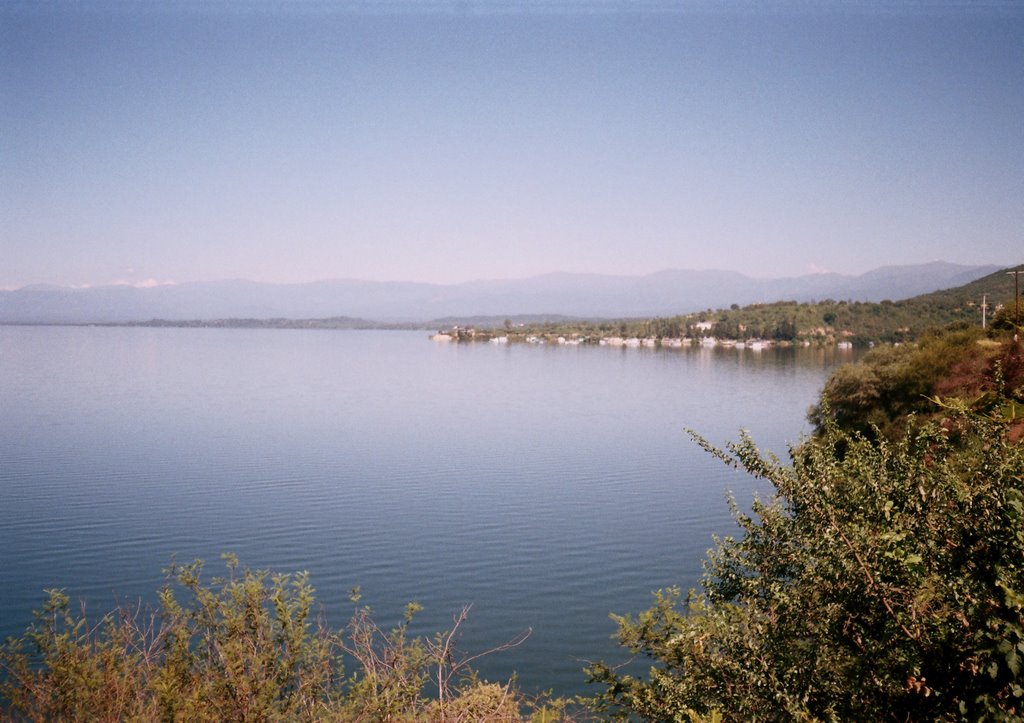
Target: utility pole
984	309
1016	304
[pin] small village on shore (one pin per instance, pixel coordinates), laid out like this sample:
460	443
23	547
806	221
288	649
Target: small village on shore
989	303
703	337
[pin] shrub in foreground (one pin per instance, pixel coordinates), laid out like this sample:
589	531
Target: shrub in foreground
247	647
882	581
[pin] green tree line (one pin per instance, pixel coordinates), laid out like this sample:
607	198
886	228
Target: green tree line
825	321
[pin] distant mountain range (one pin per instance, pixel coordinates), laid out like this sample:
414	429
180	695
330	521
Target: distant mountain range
578	295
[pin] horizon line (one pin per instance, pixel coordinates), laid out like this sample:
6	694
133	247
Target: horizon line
155	283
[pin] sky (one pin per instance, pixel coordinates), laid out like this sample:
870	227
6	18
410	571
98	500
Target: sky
145	142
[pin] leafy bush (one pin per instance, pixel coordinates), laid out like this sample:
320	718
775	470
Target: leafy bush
882	581
879	394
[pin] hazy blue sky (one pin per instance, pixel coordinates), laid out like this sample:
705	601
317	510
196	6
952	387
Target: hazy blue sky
446	141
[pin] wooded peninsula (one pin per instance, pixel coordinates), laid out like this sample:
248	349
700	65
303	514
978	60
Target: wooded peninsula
987	302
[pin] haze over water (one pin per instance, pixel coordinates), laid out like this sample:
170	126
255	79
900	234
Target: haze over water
547	486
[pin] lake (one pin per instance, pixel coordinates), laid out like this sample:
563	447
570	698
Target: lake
547	486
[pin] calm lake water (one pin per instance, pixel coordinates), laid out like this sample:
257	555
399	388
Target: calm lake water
546	486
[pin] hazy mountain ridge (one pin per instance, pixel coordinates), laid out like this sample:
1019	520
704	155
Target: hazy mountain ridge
666	292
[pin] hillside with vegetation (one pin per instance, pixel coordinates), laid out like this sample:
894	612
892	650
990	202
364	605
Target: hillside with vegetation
823	322
862	322
894	389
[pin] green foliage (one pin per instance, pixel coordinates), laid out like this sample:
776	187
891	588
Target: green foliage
243	648
890	388
882	581
1005	318
246	647
823	322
